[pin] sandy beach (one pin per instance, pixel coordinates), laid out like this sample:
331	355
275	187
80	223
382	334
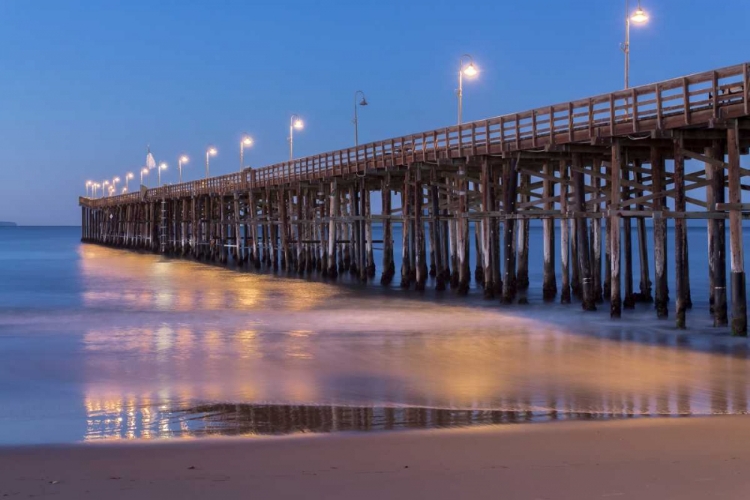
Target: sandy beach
695	458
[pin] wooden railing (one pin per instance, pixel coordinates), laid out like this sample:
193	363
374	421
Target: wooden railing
693	100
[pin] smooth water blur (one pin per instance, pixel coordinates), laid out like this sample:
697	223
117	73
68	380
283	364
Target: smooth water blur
101	343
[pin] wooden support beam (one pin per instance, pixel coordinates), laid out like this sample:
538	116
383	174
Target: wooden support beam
661	298
462	241
453	232
739	298
223	250
679	236
584	260
614	235
433	216
421	257
703	158
629	301
596	237
389	269
564	234
607	285
335	201
238	250
484	227
286	251
319	211
522	273
253	213
715	195
549	283
645	294
355	225
510	182
439	234
405	205
301	254
494	204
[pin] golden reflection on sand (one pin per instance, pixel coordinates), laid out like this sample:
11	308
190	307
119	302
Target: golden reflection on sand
133	281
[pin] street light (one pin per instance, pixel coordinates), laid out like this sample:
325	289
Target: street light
128	176
363	102
211	151
183	159
246	141
94	187
88	185
638	17
162	166
144	171
295	122
104	185
465	67
114	183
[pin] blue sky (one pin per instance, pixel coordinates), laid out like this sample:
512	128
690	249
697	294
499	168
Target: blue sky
85	85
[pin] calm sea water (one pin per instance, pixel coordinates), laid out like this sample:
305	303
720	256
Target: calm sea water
98	343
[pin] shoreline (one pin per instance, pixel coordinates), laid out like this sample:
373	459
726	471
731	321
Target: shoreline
635	458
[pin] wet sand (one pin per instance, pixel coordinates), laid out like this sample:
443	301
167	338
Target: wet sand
650	458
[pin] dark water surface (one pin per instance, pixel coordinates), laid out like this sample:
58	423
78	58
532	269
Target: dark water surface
99	343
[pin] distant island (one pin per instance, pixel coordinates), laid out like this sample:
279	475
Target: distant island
7	224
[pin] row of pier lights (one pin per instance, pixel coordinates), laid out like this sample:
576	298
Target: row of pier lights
109	187
466	68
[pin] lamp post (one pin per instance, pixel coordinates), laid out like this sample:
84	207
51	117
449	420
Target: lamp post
114	183
465	67
363	102
211	151
144	171
183	159
104	186
162	166
638	17
94	187
246	141
89	185
295	122
128	176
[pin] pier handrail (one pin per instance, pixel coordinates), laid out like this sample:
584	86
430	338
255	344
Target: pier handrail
707	97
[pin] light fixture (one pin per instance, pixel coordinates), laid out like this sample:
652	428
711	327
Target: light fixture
470	70
639	16
210	151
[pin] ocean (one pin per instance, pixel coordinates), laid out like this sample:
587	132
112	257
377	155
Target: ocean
97	343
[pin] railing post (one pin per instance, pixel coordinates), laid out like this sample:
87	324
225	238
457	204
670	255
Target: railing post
657	90
715	90
686	100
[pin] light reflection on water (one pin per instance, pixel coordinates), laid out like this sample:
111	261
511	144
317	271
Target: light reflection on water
116	420
161	348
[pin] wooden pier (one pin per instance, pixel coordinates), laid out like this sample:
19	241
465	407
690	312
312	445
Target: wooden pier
594	166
